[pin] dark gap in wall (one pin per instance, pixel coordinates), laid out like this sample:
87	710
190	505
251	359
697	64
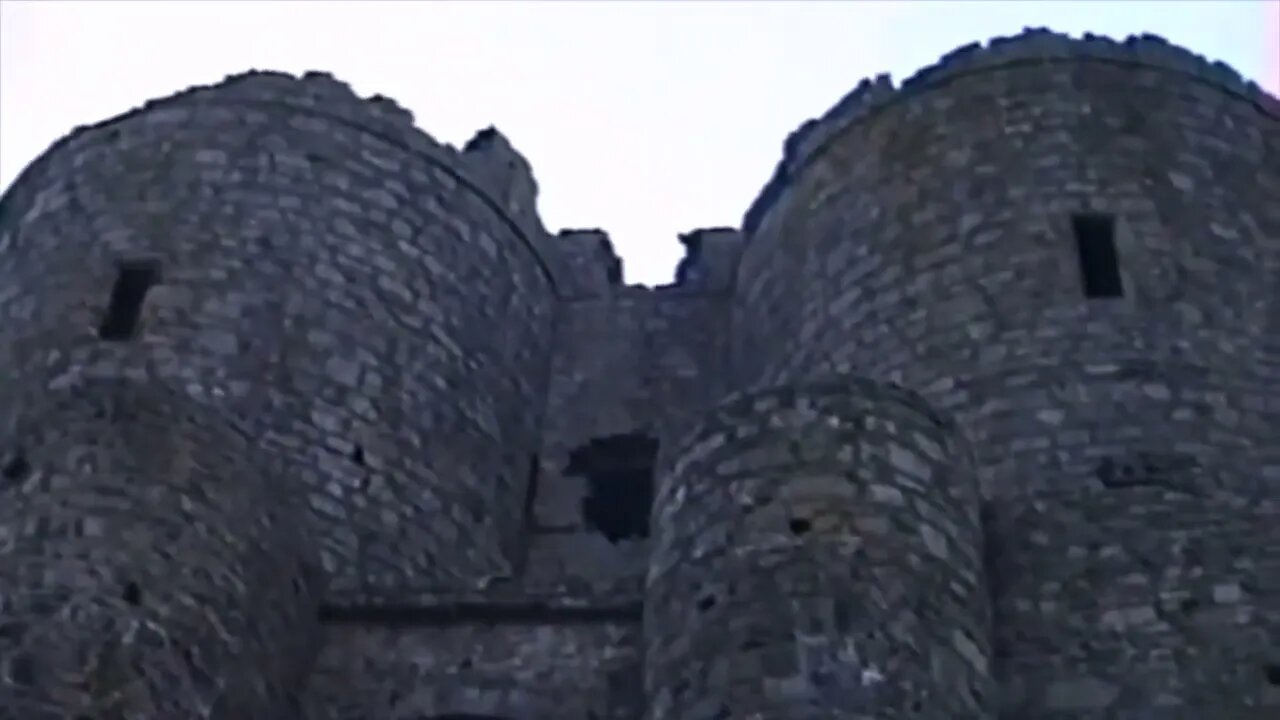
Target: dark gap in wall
134	278
16	468
1272	672
357	455
706	603
799	526
1173	471
619	473
507	613
531	490
132	593
1099	260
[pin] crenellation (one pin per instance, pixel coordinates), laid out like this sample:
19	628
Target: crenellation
305	415
585	263
711	257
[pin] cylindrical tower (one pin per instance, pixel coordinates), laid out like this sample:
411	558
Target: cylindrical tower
1037	199
817	554
152	561
1071	246
322	268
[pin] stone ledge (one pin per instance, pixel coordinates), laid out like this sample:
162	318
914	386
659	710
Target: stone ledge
486	608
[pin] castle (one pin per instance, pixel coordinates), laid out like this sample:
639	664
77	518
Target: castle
305	416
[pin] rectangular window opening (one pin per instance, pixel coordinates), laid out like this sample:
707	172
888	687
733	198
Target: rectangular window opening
133	279
1099	260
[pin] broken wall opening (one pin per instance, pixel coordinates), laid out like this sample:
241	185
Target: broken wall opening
619	474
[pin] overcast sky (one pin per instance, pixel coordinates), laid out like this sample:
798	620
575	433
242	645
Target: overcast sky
644	118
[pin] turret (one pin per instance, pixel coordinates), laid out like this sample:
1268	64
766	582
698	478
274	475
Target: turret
817	553
358	293
1071	246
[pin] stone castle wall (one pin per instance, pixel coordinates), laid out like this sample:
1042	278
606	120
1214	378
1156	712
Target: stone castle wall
466	419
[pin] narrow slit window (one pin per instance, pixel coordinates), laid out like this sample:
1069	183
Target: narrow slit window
133	281
1099	260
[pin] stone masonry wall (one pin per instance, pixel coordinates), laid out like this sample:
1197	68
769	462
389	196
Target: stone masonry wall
530	670
1139	602
630	363
818	554
152	562
467	412
332	276
928	235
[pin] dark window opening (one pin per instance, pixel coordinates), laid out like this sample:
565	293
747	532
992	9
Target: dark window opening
619	473
133	280
706	603
1099	260
132	593
799	526
357	455
1273	674
16	469
531	489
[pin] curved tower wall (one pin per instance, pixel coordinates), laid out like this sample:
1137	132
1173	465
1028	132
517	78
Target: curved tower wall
925	235
1140	602
329	273
150	559
817	549
926	232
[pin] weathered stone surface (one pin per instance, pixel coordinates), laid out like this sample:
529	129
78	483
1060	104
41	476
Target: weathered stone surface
1131	598
341	282
779	586
150	561
466	412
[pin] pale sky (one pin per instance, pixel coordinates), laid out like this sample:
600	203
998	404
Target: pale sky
644	118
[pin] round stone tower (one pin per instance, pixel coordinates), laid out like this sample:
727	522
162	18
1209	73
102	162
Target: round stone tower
1074	247
151	560
817	554
318	266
